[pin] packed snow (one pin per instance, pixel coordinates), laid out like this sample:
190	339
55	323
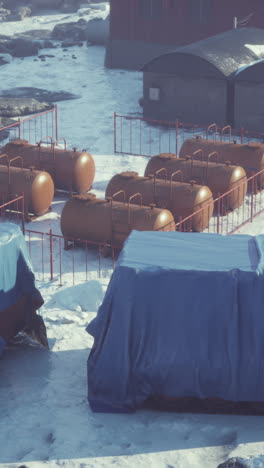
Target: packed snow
45	419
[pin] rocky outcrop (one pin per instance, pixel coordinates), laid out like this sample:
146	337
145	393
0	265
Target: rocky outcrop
36	5
97	31
21	45
19	14
42	95
74	31
236	462
15	107
3	123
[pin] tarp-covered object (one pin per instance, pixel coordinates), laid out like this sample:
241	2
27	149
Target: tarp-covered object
19	298
183	316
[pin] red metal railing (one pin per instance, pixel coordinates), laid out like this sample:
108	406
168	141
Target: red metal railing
52	262
12	210
82	260
33	128
224	221
137	136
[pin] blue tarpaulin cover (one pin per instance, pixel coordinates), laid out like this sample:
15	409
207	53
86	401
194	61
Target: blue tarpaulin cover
16	275
183	316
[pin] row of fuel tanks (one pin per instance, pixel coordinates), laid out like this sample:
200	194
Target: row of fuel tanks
37	171
172	188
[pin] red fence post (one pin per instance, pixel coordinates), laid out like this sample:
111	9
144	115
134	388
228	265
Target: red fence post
114	132
218	214
177	136
19	129
23	214
51	254
56	123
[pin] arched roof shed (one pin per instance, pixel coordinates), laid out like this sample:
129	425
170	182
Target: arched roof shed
218	57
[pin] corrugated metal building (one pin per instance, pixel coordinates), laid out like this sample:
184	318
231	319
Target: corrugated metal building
196	83
249	97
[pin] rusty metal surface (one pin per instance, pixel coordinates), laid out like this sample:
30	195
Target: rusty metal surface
182	199
220	178
250	156
37	187
73	171
87	218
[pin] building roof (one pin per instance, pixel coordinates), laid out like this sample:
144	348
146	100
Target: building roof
253	72
219	56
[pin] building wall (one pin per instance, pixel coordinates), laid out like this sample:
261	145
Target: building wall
191	100
133	55
176	21
249	109
172	23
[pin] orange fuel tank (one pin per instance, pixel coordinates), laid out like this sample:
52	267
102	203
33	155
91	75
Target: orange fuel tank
73	171
182	199
37	187
250	156
220	178
85	217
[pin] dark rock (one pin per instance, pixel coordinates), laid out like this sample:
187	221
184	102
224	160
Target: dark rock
24	12
15	107
42	95
19	14
37	34
71	44
70	31
48	45
44	56
4	122
97	30
3	48
22	47
236	462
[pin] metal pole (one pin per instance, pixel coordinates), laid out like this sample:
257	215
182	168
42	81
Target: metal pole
177	137
56	123
114	132
51	255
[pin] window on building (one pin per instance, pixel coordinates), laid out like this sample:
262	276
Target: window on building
200	11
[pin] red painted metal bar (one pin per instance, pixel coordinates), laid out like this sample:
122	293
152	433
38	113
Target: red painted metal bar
51	254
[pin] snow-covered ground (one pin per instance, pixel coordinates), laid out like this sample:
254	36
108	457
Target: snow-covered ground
45	419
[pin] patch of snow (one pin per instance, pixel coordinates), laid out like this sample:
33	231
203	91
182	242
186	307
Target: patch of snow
257	49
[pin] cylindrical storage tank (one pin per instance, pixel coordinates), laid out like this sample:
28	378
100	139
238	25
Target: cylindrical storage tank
73	171
220	178
85	217
37	187
181	199
250	156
